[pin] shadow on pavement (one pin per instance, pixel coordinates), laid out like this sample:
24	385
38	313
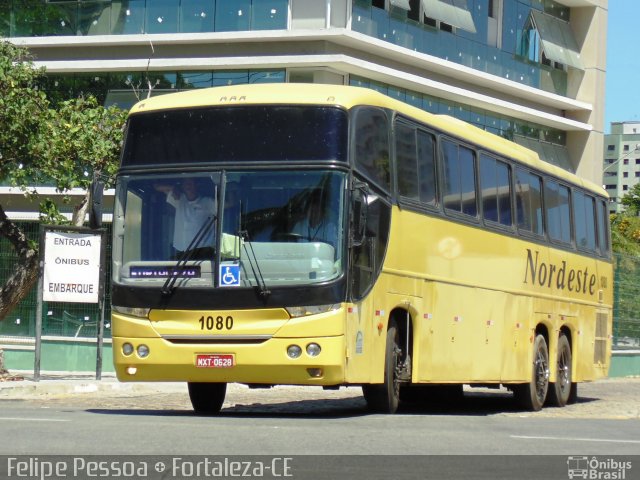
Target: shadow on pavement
471	404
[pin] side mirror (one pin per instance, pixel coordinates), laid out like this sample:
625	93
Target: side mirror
359	213
96	193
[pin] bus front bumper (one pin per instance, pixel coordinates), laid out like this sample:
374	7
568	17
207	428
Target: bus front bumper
264	363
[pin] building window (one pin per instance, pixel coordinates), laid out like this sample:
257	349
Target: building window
626	161
549	41
625	174
611	148
625	187
610	187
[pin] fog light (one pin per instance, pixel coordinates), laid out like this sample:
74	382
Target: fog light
127	349
143	351
132	370
313	349
314	372
294	351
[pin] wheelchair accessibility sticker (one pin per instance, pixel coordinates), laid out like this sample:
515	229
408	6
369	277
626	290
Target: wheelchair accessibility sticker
229	275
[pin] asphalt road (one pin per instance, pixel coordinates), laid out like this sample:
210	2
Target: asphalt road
294	421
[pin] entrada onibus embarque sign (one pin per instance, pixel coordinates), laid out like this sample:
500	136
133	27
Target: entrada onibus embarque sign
329	235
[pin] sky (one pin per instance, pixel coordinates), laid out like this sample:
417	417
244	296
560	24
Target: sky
622	101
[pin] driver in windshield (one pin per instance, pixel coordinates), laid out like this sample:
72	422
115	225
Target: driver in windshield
193	211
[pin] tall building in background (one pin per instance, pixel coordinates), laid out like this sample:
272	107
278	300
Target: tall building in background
532	71
621	169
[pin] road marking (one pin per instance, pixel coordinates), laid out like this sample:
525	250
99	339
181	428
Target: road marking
20	419
571	439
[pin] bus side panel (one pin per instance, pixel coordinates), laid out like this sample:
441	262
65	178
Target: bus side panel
359	342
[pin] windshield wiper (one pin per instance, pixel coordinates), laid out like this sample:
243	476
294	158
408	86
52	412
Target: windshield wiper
187	254
251	255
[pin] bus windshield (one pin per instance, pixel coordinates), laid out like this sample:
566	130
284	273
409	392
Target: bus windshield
257	228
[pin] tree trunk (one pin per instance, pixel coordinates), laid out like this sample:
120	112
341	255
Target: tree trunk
3	371
80	211
24	275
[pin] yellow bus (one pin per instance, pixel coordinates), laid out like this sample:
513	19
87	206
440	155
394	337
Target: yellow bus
333	236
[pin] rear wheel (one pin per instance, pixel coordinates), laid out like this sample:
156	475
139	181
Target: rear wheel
385	398
532	395
560	390
207	398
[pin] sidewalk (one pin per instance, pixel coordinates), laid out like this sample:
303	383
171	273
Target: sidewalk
23	386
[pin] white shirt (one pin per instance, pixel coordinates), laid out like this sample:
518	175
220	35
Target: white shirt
190	216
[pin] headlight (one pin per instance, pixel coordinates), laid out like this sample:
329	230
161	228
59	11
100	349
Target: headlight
294	351
127	349
311	310
313	349
143	351
134	312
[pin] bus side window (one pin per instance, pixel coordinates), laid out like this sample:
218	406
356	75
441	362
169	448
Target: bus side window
495	188
529	202
584	215
372	146
407	161
459	190
556	199
603	228
427	167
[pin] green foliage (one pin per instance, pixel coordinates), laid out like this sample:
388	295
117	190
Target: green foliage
63	144
21	107
631	201
625	234
77	139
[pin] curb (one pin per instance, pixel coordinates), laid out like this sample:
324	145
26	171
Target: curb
56	387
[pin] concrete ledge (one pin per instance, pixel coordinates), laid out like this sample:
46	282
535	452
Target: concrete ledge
625	363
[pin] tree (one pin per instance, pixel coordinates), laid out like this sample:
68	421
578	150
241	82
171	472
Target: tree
631	201
65	144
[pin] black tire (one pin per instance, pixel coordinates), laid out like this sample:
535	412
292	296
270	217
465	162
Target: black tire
207	398
560	390
532	395
385	397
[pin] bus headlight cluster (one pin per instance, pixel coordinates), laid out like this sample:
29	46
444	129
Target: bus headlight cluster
142	350
313	349
295	351
127	349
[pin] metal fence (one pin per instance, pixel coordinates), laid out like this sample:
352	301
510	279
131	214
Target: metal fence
76	320
626	304
81	320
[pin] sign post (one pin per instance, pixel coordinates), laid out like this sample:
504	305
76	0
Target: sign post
71	270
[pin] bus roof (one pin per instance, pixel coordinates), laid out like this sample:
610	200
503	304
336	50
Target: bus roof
348	97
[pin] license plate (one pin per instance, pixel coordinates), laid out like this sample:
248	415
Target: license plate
215	361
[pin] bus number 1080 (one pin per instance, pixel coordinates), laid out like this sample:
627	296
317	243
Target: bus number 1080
216	323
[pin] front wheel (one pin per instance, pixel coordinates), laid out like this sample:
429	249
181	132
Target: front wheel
385	398
560	391
532	395
207	398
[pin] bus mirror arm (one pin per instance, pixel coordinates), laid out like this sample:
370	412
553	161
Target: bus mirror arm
359	213
96	193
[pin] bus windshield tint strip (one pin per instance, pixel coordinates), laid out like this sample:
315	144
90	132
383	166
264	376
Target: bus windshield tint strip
236	134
